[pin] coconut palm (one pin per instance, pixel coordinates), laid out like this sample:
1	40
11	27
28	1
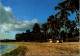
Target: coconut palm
50	25
72	5
63	16
52	22
68	24
45	29
77	19
36	31
72	27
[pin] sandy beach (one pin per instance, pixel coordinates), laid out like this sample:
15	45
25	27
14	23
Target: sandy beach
66	48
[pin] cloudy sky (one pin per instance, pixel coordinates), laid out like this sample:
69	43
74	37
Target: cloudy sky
18	15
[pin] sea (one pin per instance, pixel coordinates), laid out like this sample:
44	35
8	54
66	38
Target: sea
5	47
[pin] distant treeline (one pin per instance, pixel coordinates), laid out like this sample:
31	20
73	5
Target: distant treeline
38	35
58	26
7	40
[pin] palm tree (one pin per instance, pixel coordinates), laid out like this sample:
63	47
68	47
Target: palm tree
45	29
36	31
77	19
52	22
72	27
49	22
63	16
72	5
68	24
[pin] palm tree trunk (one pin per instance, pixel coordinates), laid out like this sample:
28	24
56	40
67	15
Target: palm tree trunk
65	30
45	35
59	33
76	17
76	14
51	34
56	33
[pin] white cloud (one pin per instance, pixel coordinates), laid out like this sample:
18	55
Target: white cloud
23	25
6	16
9	24
7	9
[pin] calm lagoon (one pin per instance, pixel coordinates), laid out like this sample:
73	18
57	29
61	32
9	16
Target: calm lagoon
5	47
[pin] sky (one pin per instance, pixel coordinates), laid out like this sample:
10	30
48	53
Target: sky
17	16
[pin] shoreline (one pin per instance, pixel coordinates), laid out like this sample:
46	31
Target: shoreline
9	50
16	50
32	48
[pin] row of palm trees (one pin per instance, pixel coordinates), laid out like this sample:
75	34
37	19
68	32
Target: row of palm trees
59	26
64	8
49	31
60	20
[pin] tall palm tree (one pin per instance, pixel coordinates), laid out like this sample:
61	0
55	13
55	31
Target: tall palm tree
72	27
63	16
45	29
52	22
68	24
77	19
36	31
50	25
72	5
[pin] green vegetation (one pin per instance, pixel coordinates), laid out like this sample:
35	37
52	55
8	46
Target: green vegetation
21	50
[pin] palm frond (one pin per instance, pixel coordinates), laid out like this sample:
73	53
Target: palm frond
57	7
57	14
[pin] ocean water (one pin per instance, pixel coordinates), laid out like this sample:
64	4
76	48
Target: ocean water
5	47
